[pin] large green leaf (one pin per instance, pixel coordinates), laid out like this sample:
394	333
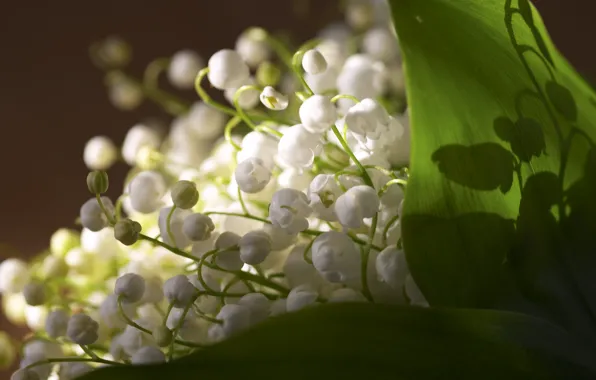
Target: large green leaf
501	205
360	341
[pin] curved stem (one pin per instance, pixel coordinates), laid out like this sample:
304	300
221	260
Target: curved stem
168	228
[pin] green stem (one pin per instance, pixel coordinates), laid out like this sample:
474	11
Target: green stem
104	210
168	228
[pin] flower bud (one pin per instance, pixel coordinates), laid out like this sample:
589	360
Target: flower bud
63	240
35	294
229	259
258	305
301	297
346	295
252	47
391	267
125	95
56	323
273	99
183	68
251	175
136	138
100	153
185	194
97	182
255	246
179	291
235	318
313	62
130	288
268	74
113	52
146	191
317	114
82	330
127	231
93	217
53	267
162	335
335	257
227	70
198	227
14	275
148	355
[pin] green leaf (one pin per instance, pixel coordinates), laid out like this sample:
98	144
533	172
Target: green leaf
498	211
365	341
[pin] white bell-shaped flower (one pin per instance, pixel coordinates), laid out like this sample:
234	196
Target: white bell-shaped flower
317	114
323	191
227	70
258	305
130	287
14	275
362	77
148	355
300	297
258	145
294	179
346	295
299	272
235	318
322	82
255	246
252	47
56	323
204	121
380	44
252	175
198	227
336	257
146	191
184	67
100	153
354	205
179	291
289	210
229	258
298	147
280	239
93	217
82	330
137	138
414	293
273	99
368	119
110	314
392	267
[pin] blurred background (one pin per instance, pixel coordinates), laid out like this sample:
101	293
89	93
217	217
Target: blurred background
52	99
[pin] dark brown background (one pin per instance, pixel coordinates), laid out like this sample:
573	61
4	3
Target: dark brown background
52	99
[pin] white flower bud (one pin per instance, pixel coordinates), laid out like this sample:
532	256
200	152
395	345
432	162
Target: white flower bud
336	257
362	77
132	339
322	82
204	121
298	147
255	246
273	99
368	119
313	62
289	210
93	217
100	153
176	227
323	191
317	114
198	227
258	145
185	194
34	293
183	68
354	205
346	295
110	315
294	179
62	241
230	258
227	70
146	191
138	137
248	99
252	47
14	275
179	291
71	371
301	297
82	329
153	290
235	318
392	267
148	355
380	44
56	323
252	175
125	95
258	305
130	288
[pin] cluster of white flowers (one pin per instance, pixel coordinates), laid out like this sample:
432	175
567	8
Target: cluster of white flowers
216	231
